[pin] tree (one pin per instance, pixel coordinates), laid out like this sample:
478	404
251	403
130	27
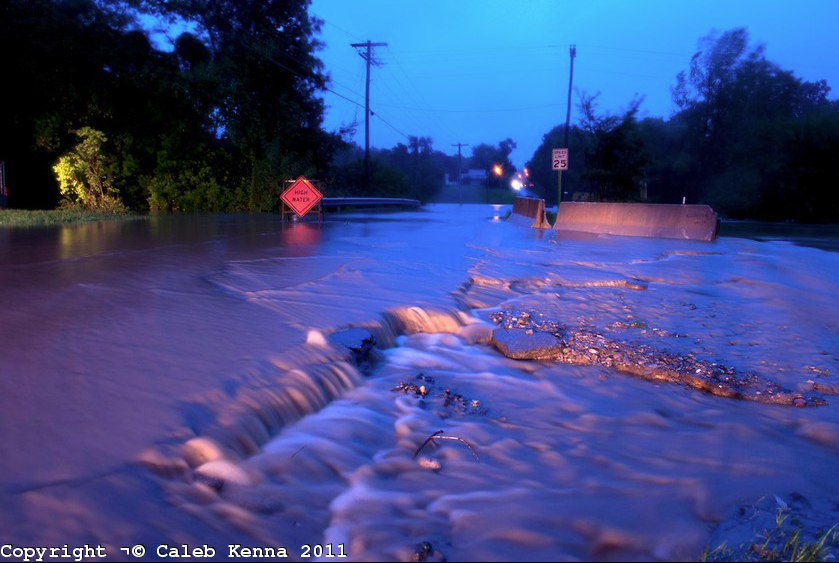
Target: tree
386	180
737	110
266	76
231	109
425	172
615	152
812	149
57	55
85	174
485	156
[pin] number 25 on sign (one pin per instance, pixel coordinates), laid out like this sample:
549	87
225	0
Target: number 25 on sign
560	159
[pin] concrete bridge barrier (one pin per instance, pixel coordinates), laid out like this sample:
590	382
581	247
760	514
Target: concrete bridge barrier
532	208
695	222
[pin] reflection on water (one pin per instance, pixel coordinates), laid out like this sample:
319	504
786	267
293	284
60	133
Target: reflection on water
22	245
86	239
303	237
496	212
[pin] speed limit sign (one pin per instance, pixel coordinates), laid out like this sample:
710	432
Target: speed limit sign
560	159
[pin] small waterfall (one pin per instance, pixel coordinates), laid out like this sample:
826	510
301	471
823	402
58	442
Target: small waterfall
259	414
413	320
301	382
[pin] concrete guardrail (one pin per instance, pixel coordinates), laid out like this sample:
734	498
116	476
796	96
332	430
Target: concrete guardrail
532	208
696	222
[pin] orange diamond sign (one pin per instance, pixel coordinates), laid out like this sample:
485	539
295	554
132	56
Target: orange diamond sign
301	196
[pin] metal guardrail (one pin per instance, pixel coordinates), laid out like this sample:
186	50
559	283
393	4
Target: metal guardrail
360	202
369	202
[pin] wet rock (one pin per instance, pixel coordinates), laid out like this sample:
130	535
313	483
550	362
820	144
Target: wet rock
216	474
636	284
526	335
360	342
523	345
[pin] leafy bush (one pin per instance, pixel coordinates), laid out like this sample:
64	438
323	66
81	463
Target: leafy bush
85	175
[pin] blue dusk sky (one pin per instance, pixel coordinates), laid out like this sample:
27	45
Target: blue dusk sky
481	71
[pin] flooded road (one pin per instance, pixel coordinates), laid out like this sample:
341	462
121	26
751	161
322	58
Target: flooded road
170	381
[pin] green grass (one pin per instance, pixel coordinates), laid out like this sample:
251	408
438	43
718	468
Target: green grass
38	217
777	545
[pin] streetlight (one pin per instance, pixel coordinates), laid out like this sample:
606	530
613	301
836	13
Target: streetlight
498	171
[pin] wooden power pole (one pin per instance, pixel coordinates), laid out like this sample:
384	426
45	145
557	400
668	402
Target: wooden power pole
367	55
573	51
459	173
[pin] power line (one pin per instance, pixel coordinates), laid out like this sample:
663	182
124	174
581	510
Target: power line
491	110
272	60
383	120
432	118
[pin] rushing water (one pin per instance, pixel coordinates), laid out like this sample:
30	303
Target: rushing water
174	382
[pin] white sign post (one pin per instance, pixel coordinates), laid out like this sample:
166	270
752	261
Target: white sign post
560	163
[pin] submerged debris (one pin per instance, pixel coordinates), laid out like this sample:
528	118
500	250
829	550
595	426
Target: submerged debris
440	436
413	389
451	401
522	336
426	552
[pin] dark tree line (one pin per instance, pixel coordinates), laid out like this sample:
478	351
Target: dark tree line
96	114
748	138
214	124
413	170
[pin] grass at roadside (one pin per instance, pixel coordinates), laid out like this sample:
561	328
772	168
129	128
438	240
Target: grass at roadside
37	217
779	546
774	529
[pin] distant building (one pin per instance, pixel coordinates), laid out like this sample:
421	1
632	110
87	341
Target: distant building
473	176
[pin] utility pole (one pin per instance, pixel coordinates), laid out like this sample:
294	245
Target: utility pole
459	173
367	55
573	51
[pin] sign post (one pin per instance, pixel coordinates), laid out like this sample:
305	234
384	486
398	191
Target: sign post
560	163
301	196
